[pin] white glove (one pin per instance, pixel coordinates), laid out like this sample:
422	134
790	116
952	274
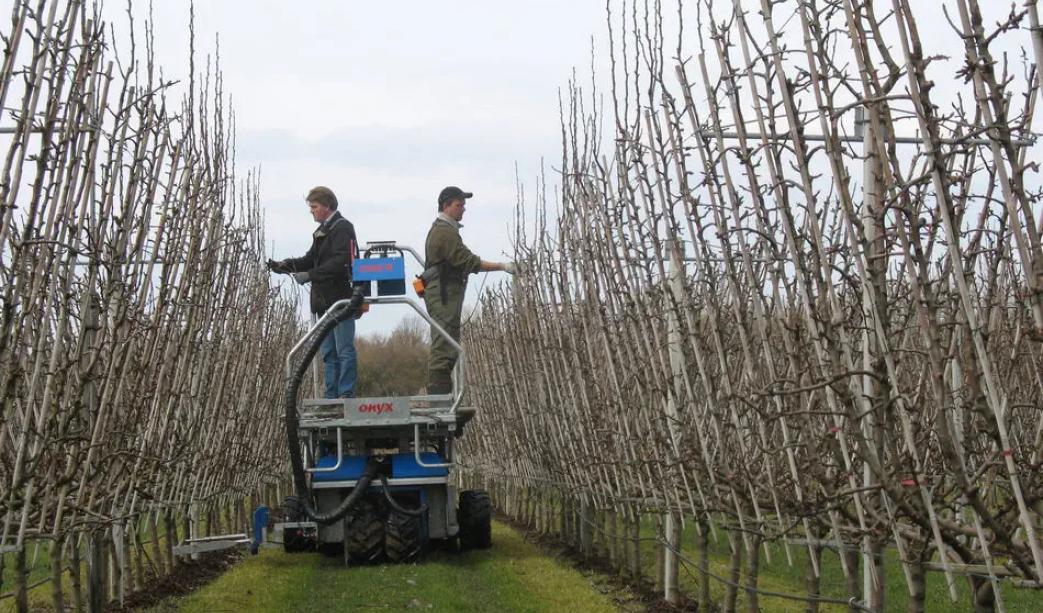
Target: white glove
301	277
510	268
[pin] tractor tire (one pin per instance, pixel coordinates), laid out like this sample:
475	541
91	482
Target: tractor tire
364	533
292	509
402	539
293	541
475	516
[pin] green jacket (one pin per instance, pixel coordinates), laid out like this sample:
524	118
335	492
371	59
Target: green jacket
445	250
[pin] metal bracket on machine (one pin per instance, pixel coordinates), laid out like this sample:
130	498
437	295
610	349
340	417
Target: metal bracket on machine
211	543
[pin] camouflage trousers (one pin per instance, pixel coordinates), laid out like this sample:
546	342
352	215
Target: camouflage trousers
447	313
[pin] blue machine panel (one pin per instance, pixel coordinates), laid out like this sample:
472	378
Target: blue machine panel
388	273
379	269
403	465
350	469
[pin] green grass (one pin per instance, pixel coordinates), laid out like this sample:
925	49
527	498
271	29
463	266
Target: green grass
780	576
512	576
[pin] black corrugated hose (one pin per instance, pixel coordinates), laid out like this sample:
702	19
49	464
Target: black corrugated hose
293	385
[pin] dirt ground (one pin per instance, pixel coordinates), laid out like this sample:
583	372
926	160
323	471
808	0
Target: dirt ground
188	576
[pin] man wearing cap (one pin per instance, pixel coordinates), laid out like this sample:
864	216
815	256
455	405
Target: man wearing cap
327	266
449	262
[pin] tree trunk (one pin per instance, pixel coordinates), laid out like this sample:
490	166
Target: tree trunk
635	546
753	552
21	581
158	559
918	584
813	582
75	572
703	545
854	580
984	597
734	572
57	597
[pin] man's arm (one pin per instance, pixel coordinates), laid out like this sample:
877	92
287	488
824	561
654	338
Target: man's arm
301	264
491	266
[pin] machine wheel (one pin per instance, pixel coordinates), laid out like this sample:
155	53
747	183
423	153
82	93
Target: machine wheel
475	518
402	542
292	509
293	539
364	533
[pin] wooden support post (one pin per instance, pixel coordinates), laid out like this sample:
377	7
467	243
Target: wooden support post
119	557
192	525
660	552
671	562
139	556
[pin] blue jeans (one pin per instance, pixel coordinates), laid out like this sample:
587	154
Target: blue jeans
338	354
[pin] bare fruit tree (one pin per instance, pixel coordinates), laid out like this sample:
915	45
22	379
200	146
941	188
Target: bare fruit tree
141	345
791	290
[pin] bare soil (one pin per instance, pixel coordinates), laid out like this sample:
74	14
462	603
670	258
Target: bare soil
188	576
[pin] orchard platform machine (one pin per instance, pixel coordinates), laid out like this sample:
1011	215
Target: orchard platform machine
373	475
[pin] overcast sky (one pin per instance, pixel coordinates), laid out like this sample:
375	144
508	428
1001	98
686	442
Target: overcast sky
387	103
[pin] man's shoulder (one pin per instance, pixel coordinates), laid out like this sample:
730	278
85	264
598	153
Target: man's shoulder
443	232
341	223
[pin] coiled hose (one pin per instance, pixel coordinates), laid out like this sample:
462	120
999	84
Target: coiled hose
293	384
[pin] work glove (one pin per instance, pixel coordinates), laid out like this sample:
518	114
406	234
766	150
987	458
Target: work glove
511	268
278	267
301	277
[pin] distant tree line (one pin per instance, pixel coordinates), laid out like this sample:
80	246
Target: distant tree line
394	364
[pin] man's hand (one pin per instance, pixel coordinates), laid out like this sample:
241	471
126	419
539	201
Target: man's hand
301	277
511	268
277	267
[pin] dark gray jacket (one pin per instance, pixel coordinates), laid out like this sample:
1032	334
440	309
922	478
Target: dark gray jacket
328	262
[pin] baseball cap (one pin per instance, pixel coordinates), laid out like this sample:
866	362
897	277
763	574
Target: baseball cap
453	193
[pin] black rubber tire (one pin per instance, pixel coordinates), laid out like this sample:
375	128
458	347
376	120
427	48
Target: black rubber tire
475	516
402	539
293	541
292	509
364	533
